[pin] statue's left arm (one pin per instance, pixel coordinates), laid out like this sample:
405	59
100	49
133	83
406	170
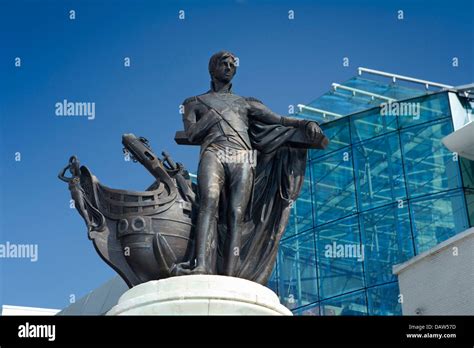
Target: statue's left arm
258	111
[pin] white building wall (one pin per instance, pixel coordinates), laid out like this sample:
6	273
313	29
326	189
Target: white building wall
440	281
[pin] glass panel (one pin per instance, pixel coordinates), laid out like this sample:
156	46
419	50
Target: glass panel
333	186
273	281
301	217
317	116
430	107
308	310
470	206
390	90
383	300
379	172
351	304
342	102
338	134
371	123
297	271
429	166
437	218
467	170
387	240
339	257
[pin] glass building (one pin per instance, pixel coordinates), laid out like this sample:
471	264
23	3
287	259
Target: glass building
385	190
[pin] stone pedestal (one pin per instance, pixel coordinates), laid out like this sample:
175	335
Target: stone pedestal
199	295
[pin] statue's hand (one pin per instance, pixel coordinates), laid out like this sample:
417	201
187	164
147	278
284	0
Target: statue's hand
312	130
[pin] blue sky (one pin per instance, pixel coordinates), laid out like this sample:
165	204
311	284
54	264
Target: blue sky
282	62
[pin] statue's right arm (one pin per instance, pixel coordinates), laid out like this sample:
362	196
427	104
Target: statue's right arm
62	173
197	120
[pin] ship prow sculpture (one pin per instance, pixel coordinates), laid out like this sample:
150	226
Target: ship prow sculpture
251	170
141	235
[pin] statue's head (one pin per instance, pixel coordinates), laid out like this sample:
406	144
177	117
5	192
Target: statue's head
222	66
74	166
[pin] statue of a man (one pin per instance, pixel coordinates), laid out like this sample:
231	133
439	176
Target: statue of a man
220	122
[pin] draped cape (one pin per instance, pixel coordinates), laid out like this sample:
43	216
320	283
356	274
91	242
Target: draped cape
278	178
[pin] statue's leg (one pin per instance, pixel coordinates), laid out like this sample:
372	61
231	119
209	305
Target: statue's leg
210	182
241	183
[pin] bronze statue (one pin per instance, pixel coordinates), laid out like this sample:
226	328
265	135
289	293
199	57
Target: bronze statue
220	120
81	202
251	170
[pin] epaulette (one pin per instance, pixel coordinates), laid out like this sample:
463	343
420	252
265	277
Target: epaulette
188	100
253	99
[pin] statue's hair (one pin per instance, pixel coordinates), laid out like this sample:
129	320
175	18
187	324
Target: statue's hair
217	57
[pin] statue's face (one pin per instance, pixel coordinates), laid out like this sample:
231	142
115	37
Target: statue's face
225	70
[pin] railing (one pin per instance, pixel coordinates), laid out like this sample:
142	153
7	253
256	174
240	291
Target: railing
396	77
